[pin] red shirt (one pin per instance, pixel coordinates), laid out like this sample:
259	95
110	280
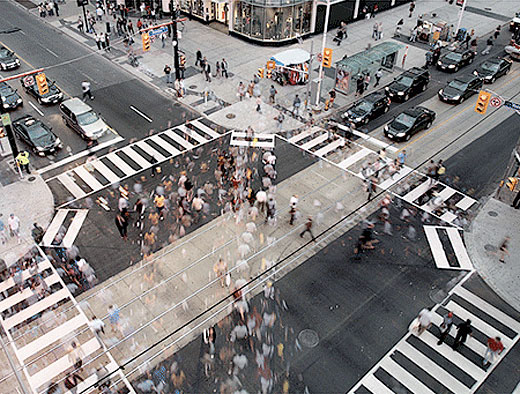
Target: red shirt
495	345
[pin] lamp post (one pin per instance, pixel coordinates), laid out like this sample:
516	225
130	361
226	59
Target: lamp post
323	43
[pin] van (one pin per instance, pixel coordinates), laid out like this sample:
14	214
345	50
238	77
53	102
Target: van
82	119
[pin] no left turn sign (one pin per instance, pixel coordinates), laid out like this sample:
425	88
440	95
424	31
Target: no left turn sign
495	102
28	80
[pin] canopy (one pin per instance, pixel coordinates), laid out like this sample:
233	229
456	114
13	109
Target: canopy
291	56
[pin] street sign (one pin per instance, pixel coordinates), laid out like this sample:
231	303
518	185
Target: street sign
28	81
511	105
319	57
81	3
496	102
6	120
156	32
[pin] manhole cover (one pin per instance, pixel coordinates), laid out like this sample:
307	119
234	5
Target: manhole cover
308	338
437	295
31	179
490	248
492	213
193	86
231	116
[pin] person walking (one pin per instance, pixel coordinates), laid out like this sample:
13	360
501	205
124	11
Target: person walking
360	86
198	61
22	160
411	9
445	327
425	320
56	8
516	201
463	330
14	227
292	213
107	42
493	349
71	382
272	94
296	105
503	250
308	227
168	74
375	29
489	45
122	225
159	202
130	27
241	91
85	87
97	37
80	24
207	70
279	118
378	75
224	66
259	104
497	32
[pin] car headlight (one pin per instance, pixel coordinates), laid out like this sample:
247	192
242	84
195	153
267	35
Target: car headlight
19	101
441	91
40	149
451	66
3	64
475	73
439	63
359	119
488	77
400	93
6	105
400	135
45	99
456	97
387	88
17	61
386	127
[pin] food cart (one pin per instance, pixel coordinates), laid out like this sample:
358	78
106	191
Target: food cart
291	67
432	32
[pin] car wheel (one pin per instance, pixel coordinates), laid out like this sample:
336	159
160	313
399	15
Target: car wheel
428	125
424	87
407	137
406	96
387	108
461	100
493	80
470	60
456	69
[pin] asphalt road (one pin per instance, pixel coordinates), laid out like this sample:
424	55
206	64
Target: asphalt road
69	63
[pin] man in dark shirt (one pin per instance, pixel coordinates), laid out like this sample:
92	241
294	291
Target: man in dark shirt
463	330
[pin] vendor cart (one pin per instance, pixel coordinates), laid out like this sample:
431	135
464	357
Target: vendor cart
291	67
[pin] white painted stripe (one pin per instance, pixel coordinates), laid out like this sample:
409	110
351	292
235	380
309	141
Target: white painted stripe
354	158
7	284
459	248
418	191
105	171
47	374
141	114
40	306
448	217
150	150
75	226
208	130
446	193
375	385
254	144
36	109
192	133
304	134
404	377
465	203
388	147
396	178
432	368
492	311
328	148
136	157
165	145
121	164
87	177
478	323
92	379
54	227
456	358
56	334
439	256
69	183
177	138
51	52
19	296
316	141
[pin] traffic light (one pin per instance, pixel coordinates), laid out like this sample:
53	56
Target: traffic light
327	57
43	86
260	72
482	102
511	183
146	41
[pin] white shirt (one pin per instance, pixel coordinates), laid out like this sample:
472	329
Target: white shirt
293	201
425	317
13	223
96	324
85	86
261	196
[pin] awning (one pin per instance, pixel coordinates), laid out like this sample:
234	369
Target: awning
291	56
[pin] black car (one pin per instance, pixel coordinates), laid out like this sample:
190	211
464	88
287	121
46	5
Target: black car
461	88
9	97
410	82
454	60
53	96
8	60
409	122
493	68
369	107
37	135
515	23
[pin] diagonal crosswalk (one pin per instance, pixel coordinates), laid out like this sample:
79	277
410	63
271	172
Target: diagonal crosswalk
420	365
64	227
129	160
449	251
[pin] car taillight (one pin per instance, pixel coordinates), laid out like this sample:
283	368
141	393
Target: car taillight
389	101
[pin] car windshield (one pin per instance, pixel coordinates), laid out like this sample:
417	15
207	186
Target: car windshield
405	119
36	131
87	118
456	57
488	66
459	85
363	106
404	80
6	91
4	52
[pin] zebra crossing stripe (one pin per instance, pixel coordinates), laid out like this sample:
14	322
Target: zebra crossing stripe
54	227
316	141
206	129
136	157
376	386
404	377
465	203
147	148
74	228
70	185
92	182
177	138
418	191
25	293
192	133
439	257
121	164
72	231
172	150
107	173
354	158
329	147
459	248
296	138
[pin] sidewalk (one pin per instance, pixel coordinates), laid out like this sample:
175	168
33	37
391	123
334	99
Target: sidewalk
492	224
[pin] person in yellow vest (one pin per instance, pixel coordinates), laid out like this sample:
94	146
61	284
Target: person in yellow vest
23	161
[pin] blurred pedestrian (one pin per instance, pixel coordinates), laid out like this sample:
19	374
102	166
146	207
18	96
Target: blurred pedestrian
493	349
463	330
425	320
503	250
308	227
445	327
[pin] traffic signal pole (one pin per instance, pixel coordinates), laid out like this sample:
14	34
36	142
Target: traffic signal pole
175	41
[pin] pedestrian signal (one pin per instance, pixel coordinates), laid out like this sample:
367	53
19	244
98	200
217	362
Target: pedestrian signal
146	41
260	72
511	183
482	102
41	82
269	73
327	57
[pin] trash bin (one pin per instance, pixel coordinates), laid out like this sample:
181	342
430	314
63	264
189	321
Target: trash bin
108	27
461	34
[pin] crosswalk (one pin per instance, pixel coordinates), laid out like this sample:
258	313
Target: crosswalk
64	227
447	248
41	318
259	140
418	364
99	173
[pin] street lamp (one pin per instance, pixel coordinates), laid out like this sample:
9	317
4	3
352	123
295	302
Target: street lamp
323	43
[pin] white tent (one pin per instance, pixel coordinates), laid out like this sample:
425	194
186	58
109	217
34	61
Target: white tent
291	56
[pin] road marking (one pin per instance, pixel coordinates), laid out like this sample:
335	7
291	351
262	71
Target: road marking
36	109
140	113
51	52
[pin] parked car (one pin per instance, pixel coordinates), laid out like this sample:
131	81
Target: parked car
369	107
407	84
493	68
409	122
37	135
454	60
83	119
8	59
53	96
9	97
461	88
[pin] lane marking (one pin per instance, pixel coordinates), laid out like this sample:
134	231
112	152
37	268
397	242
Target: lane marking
36	109
141	114
51	52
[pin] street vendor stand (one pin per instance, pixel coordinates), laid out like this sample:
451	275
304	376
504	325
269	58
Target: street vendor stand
291	67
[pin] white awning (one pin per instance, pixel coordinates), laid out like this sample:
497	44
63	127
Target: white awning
291	56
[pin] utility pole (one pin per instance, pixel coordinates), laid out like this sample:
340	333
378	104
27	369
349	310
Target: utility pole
307	93
6	123
459	22
323	43
175	42
82	4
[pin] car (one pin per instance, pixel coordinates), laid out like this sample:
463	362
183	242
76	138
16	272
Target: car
83	119
461	88
369	107
409	122
37	135
8	60
515	23
53	96
454	60
9	97
410	82
493	68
